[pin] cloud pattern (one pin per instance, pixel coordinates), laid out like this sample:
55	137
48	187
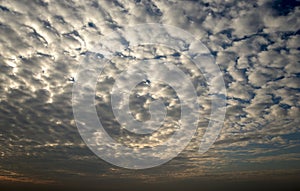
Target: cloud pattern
256	46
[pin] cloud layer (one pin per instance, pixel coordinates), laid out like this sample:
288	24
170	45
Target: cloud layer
256	46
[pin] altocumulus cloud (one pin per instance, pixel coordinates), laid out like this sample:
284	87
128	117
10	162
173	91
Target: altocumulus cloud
256	46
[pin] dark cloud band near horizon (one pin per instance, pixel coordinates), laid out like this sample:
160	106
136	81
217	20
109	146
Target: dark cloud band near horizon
254	43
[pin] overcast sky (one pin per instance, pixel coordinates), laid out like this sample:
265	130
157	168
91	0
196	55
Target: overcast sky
254	43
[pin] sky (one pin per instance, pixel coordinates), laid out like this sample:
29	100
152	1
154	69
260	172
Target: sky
255	44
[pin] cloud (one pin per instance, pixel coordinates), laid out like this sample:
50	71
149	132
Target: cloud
42	43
